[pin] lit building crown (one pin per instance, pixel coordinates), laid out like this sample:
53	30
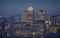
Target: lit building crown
30	8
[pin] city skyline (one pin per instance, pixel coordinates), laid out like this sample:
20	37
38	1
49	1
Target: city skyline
29	18
15	7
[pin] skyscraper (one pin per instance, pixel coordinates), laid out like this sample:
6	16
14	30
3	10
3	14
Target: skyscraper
55	24
30	14
24	16
58	20
27	16
41	15
53	20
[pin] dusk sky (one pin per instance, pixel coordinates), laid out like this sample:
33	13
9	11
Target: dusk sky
15	7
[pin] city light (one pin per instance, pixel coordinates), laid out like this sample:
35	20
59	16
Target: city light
29	19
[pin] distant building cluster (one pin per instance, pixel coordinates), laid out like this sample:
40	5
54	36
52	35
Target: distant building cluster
27	25
55	24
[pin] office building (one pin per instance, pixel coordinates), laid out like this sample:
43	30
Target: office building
58	20
41	14
55	20
27	16
30	14
24	16
55	24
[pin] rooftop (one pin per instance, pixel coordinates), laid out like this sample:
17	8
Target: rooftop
30	8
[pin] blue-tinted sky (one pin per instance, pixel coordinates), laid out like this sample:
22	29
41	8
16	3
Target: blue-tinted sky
15	7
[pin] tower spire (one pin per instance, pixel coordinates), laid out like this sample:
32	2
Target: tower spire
30	8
